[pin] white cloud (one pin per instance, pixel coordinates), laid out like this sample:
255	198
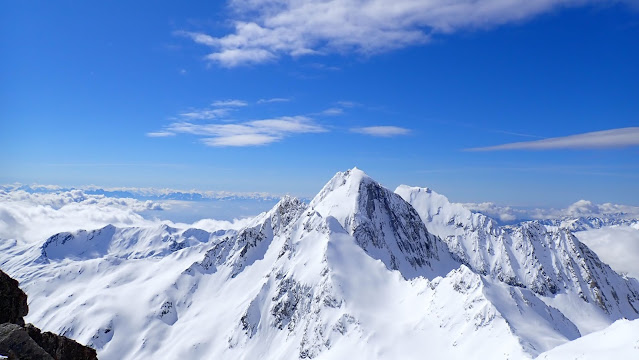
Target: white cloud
235	57
59	199
36	216
33	217
131	192
267	29
504	214
614	138
205	114
382	131
160	134
333	111
617	246
273	100
230	103
241	140
251	133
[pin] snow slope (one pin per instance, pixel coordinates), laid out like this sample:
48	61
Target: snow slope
355	273
618	341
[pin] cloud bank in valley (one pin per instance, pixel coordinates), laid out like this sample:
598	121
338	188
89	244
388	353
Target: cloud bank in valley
31	217
581	208
617	246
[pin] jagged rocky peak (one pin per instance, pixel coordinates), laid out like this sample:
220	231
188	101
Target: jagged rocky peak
383	224
285	212
240	250
566	264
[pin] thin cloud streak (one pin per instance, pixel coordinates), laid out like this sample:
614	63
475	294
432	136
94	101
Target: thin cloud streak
382	131
332	112
230	103
614	138
160	134
273	100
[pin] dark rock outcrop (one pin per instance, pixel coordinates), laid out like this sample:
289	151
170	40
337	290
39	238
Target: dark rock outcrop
13	301
20	342
15	343
60	347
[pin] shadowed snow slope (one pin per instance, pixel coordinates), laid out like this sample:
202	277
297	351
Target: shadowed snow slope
355	273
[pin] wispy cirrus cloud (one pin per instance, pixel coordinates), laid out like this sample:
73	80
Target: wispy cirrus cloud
250	133
273	100
265	30
230	103
333	111
160	134
614	138
382	131
205	114
218	109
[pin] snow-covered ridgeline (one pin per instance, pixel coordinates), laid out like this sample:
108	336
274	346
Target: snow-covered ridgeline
550	261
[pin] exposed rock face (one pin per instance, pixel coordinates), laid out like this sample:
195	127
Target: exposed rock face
60	347
13	301
20	342
15	343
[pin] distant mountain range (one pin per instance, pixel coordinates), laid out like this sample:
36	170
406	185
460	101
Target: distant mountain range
147	193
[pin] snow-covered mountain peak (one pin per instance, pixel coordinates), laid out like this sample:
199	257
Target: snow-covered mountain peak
340	194
383	224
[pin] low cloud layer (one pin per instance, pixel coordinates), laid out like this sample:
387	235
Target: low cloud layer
616	246
129	193
265	30
581	208
32	217
615	138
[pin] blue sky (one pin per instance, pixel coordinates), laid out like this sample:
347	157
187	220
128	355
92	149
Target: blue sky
246	96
